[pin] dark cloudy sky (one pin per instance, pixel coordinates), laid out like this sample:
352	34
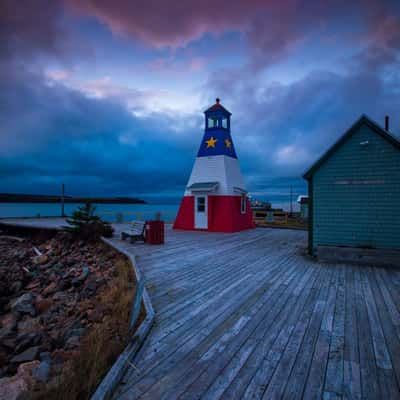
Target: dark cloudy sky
108	96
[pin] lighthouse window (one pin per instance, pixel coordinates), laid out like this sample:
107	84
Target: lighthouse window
225	122
212	122
243	203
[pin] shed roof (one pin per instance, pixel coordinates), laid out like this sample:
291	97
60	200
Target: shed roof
362	120
302	199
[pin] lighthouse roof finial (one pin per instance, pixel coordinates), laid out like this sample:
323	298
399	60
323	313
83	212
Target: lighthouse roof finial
218	107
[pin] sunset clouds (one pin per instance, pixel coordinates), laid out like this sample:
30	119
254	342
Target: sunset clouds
89	86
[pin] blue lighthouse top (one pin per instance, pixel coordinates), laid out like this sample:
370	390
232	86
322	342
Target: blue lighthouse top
217	138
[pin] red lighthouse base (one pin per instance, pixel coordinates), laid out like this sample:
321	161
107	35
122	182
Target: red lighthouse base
224	214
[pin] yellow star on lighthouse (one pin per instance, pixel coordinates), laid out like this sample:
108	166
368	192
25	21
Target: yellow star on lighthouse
228	143
211	142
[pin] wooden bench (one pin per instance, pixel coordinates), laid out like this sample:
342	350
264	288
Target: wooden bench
136	232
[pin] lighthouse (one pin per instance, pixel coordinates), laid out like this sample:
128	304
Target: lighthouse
215	198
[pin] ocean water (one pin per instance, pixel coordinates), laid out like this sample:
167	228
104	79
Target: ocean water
109	212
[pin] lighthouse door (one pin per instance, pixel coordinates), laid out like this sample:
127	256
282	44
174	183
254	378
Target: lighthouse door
201	212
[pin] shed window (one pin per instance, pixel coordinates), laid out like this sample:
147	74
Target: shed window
225	122
243	203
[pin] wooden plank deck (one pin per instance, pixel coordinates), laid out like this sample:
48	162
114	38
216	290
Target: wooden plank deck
246	316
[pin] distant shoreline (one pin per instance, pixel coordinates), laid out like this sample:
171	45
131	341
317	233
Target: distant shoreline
33	198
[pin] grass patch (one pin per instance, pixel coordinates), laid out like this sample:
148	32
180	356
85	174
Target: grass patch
101	346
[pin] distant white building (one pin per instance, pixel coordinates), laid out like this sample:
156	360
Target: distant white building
303	201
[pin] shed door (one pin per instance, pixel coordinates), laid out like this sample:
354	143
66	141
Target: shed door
201	212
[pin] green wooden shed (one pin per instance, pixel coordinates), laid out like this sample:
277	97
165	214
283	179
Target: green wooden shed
354	191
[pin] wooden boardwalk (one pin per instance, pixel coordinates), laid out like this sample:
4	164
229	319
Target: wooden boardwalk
246	316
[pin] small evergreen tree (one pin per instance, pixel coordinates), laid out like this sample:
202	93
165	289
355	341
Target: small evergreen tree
82	216
86	225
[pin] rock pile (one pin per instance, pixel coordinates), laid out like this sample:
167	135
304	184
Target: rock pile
47	302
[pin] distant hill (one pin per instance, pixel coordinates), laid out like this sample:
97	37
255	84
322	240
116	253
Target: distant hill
39	198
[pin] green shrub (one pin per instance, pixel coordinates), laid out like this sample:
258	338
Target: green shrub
86	225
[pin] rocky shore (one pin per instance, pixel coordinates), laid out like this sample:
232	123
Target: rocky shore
48	295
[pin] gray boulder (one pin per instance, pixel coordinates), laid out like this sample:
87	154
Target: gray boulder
82	277
25	304
26	356
42	372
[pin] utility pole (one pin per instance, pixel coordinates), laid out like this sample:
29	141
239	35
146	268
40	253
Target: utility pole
62	200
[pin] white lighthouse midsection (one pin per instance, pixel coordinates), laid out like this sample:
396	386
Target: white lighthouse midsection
222	169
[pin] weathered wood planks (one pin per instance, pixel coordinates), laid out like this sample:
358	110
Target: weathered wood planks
244	315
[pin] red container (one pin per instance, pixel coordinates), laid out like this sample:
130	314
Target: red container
155	232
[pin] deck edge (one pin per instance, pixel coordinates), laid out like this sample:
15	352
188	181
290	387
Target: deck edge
113	377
